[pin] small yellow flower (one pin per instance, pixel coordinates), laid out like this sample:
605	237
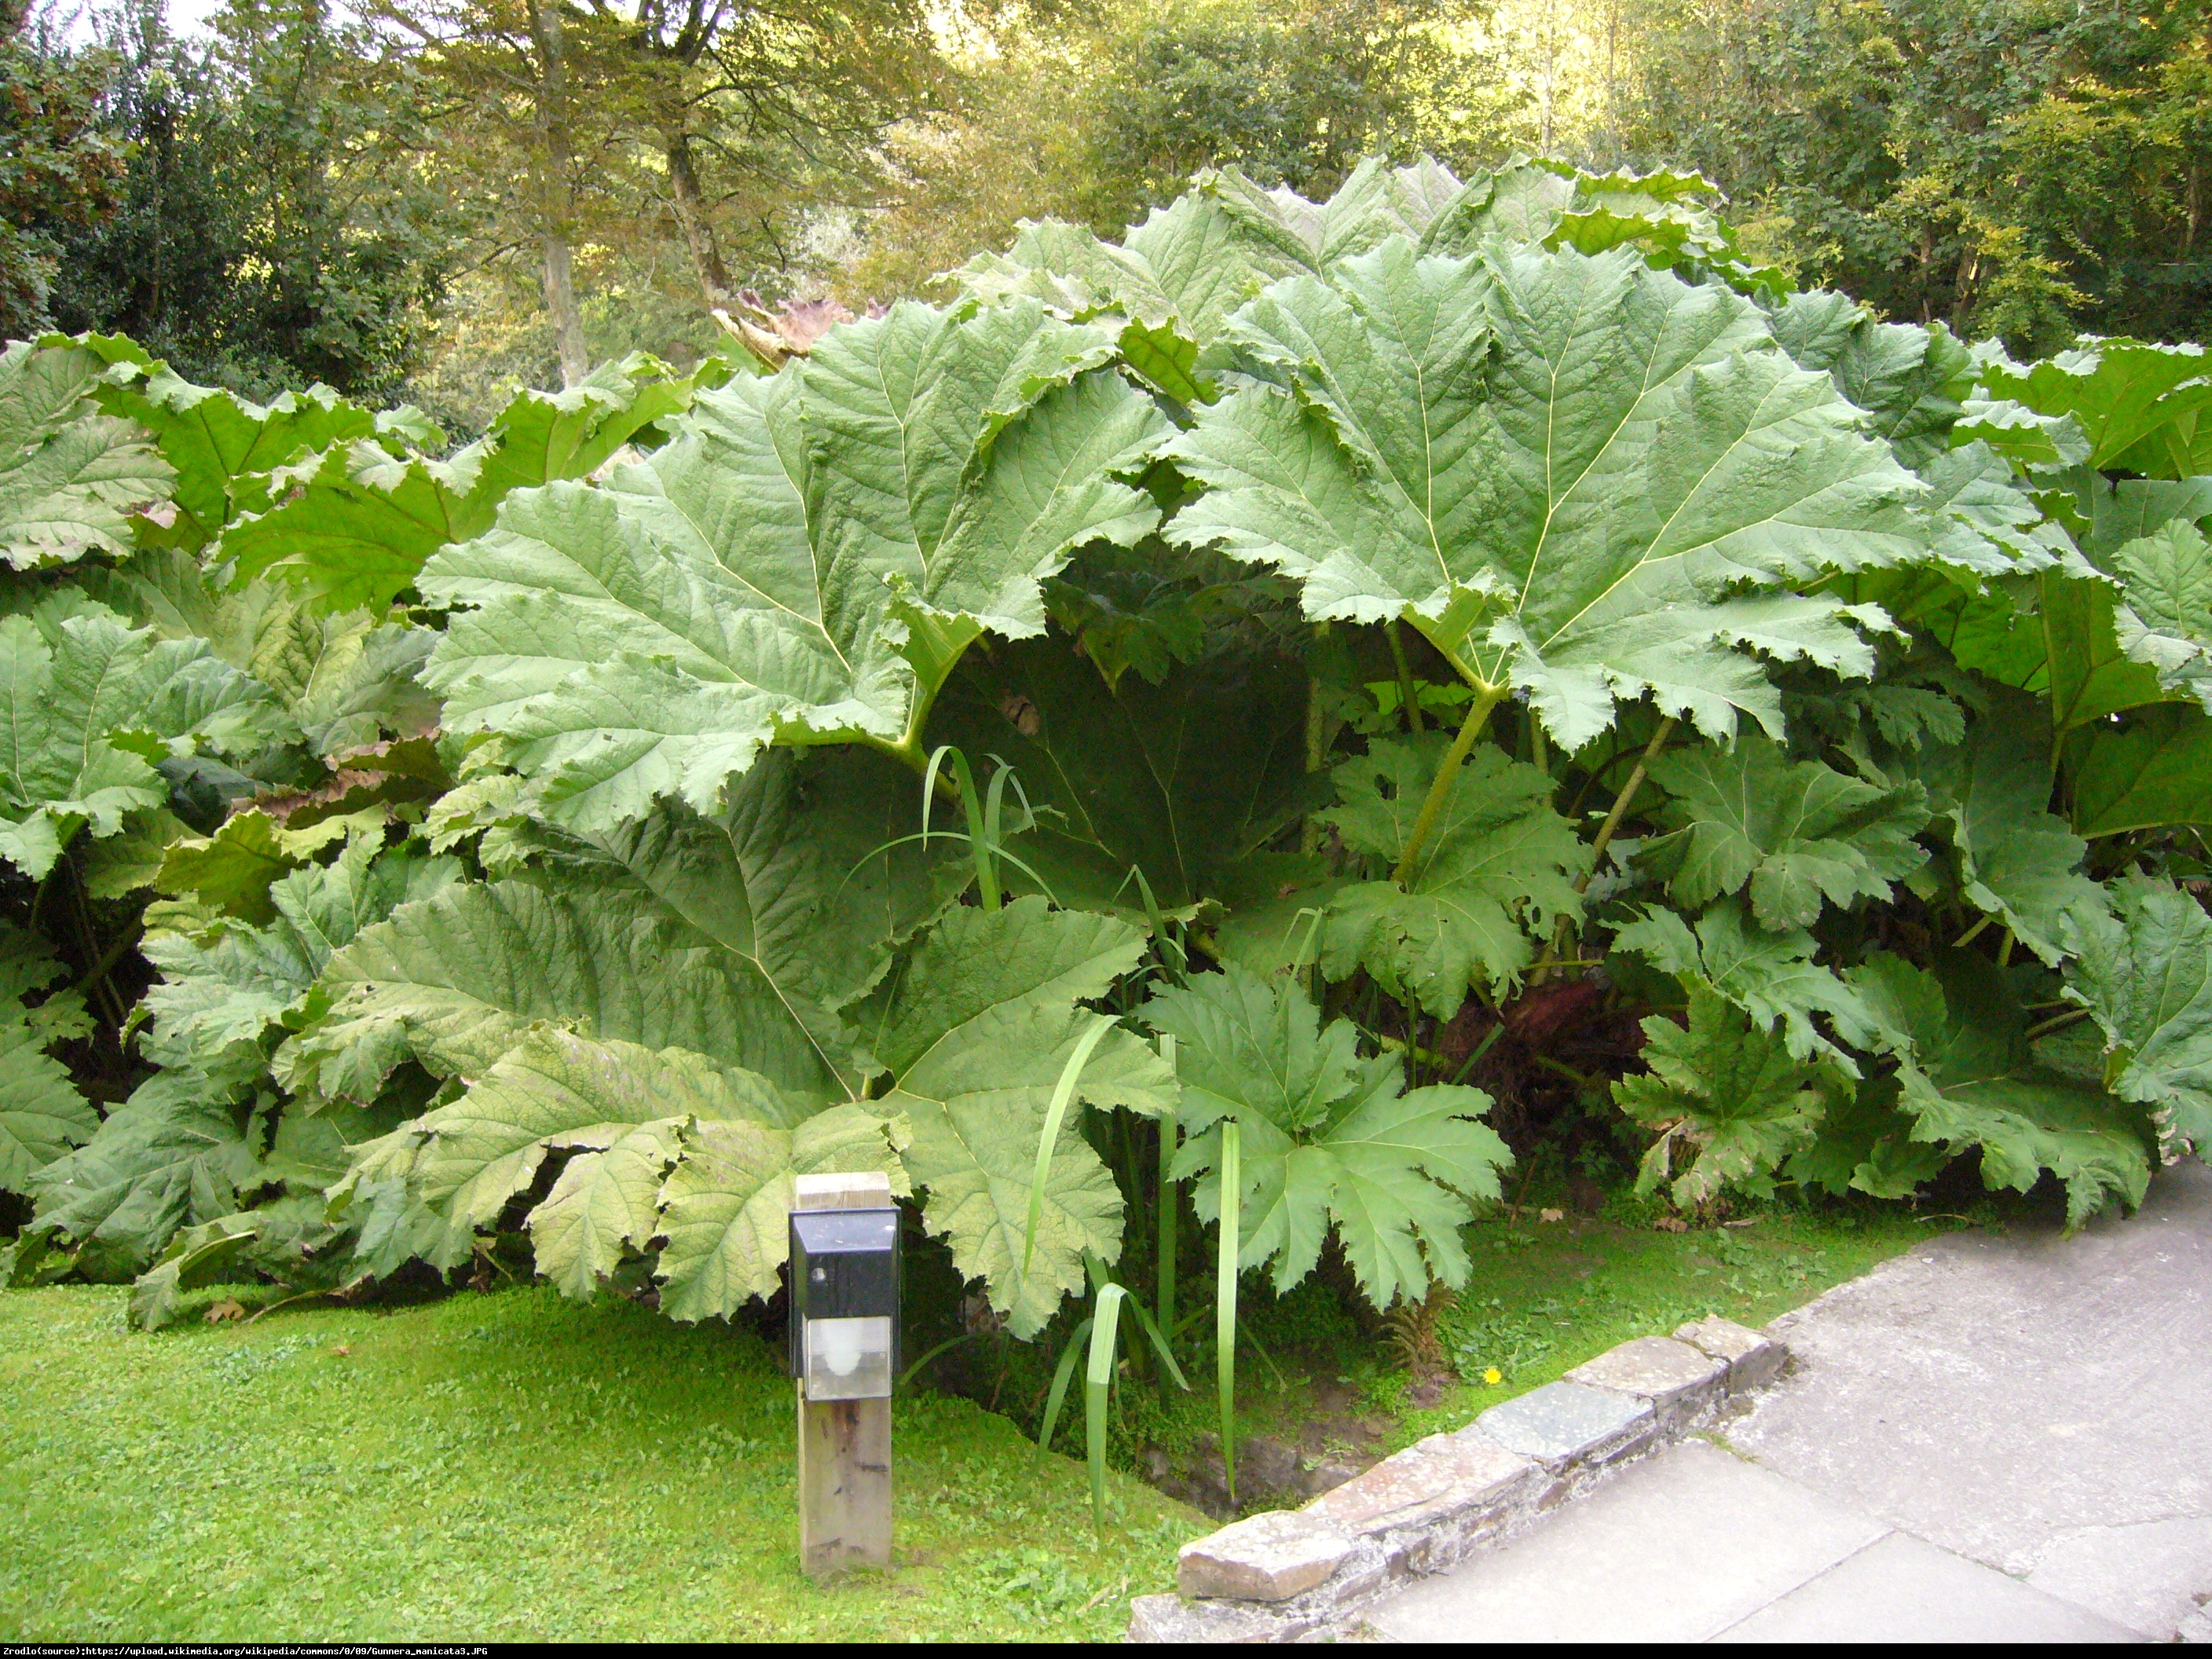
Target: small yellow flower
1493	1376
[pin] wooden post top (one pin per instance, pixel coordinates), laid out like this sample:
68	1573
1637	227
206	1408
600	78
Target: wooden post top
856	1189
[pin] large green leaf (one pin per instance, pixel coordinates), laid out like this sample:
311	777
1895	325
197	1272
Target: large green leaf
724	1207
1796	832
2146	974
2165	620
345	677
976	1024
1729	1100
1974	1079
88	705
618	1110
1865	1144
353	524
1173	280
1912	381
455	981
2055	635
808	558
809	873
2033	442
227	987
1180	780
1770	974
2125	638
170	1157
222	446
233	870
1328	1139
1573	474
42	1114
2122	392
738	937
70	478
1496	871
2148	768
2016	860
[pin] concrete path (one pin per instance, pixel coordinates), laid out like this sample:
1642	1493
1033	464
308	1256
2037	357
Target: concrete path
1990	1440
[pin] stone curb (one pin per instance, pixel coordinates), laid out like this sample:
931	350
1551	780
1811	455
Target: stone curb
1301	1574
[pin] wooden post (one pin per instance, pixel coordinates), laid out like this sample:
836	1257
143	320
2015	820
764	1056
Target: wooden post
844	1445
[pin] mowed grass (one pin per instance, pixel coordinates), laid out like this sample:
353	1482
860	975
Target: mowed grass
503	1467
1545	1296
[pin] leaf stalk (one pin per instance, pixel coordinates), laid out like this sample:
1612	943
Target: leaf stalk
1624	800
1487	698
1224	1295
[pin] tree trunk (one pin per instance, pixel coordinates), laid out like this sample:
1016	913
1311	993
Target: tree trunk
557	207
691	213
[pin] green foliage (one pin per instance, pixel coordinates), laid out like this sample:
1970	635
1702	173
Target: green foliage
548	840
1973	1078
976	1024
277	219
2167	578
1330	1139
658	1141
2016	861
57	169
2012	170
354	523
1498	864
168	1158
2143	974
92	707
1184	781
69	476
1482	517
1768	974
42	1114
1729	1100
867	518
1797	835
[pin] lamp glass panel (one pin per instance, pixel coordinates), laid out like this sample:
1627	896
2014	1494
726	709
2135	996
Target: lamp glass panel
848	1359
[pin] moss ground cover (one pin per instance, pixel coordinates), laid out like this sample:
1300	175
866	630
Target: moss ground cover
501	1467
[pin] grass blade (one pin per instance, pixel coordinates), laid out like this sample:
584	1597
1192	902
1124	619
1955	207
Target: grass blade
929	787
1224	1295
1058	1393
1105	1326
1049	1138
980	839
907	1376
1159	1343
1171	1202
1172	955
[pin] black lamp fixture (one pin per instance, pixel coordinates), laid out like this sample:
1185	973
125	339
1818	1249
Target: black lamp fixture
845	1302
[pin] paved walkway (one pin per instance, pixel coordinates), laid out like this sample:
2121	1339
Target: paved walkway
1991	1439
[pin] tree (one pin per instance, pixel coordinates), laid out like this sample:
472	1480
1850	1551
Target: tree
58	171
2024	168
275	227
577	125
1097	116
745	103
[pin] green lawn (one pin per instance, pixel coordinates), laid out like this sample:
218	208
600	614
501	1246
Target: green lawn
503	1466
510	1466
1544	1296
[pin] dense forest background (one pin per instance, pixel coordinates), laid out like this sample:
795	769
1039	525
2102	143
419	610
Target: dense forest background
441	200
